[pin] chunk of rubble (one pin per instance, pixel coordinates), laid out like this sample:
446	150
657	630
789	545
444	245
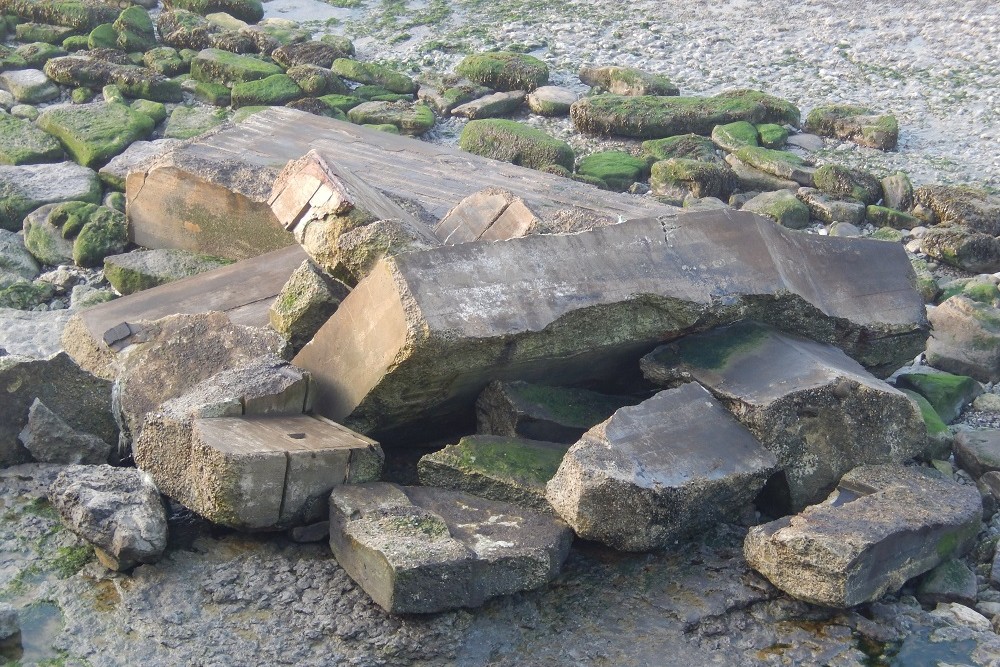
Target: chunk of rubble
164	359
968	207
978	452
818	410
306	301
628	81
659	471
534	411
854	123
51	440
882	526
80	399
488	215
238	450
510	469
965	339
422	550
118	510
400	349
947	393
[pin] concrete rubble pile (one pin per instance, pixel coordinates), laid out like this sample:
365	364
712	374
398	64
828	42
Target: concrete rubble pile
638	380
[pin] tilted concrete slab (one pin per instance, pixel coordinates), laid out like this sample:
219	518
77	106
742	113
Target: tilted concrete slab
819	411
423	334
212	195
488	215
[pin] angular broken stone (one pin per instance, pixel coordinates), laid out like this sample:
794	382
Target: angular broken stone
422	550
947	393
658	471
962	247
488	215
401	350
817	409
951	581
166	358
965	338
627	81
829	210
80	399
118	510
306	301
52	440
978	452
534	411
881	527
505	468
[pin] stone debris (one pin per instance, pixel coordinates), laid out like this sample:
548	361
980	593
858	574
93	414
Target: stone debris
117	510
52	440
810	404
881	527
951	581
305	303
978	452
965	339
534	411
948	394
488	215
505	468
421	550
659	471
569	306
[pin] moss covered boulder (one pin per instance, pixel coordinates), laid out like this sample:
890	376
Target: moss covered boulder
777	163
41	32
23	143
317	81
93	134
854	123
772	135
845	183
320	54
165	60
517	143
142	269
342	103
733	136
222	67
651	117
936	428
677	177
969	207
946	392
782	206
504	70
134	30
250	11
618	169
133	81
882	216
408	117
962	248
25	296
686	146
275	90
78	232
25	188
81	15
628	81
186	122
505	468
374	74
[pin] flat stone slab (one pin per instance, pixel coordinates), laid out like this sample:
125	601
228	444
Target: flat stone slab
658	471
584	306
422	550
34	334
509	469
26	187
191	197
882	526
818	410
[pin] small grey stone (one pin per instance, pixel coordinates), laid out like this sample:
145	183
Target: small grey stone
9	624
844	229
29	86
52	440
16	263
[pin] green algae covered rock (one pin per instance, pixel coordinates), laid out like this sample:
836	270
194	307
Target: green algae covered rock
102	37
628	81
777	163
407	117
76	231
946	392
93	134
222	67
677	177
854	123
505	468
23	143
156	111
504	70
191	121
772	135
137	82
733	136
960	247
316	81
24	188
342	103
37	54
618	169
213	93
305	303
25	296
81	15
41	32
142	269
134	29
166	61
274	90
517	143
374	74
651	117
250	11
881	216
844	183
782	206
687	146
966	206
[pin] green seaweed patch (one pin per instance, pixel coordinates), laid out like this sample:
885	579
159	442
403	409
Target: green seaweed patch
70	560
528	461
714	349
685	146
573	407
932	420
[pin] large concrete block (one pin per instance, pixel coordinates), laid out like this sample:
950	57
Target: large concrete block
658	471
420	550
882	526
818	410
425	332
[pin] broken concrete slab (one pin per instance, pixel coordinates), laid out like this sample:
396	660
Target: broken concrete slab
488	215
965	338
51	440
422	550
192	195
582	307
118	510
882	526
509	469
165	358
538	412
80	399
244	291
818	410
659	471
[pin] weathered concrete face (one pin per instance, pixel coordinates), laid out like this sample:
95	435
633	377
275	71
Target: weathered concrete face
424	333
658	471
421	550
817	409
882	526
489	215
